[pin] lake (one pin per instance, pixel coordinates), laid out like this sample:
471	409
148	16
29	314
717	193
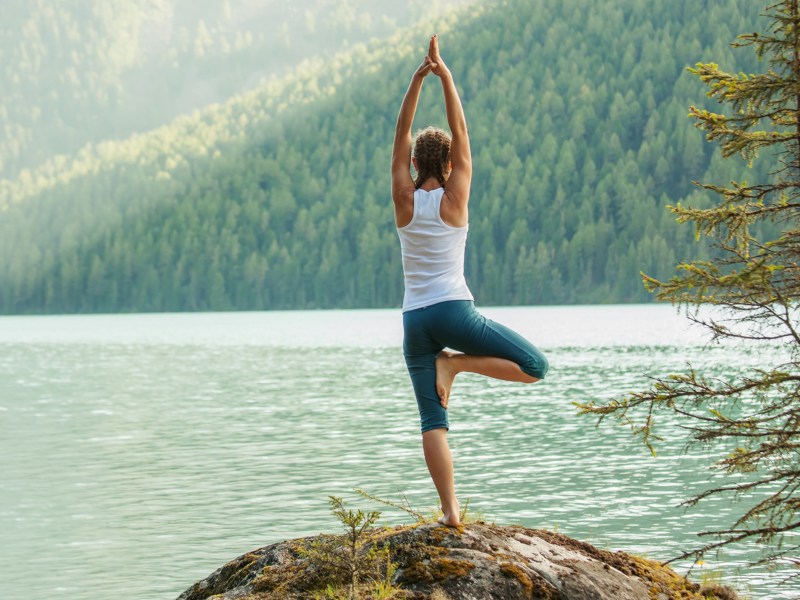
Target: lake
141	452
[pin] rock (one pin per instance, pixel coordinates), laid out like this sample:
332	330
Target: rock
477	561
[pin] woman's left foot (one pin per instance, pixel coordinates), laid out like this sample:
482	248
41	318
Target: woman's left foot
445	374
450	520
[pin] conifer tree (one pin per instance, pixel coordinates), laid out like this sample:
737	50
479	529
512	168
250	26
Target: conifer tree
748	292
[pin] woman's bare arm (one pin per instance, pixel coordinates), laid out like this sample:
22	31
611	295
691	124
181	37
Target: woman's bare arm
402	183
458	184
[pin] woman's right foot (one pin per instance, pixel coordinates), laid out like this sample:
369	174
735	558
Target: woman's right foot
445	374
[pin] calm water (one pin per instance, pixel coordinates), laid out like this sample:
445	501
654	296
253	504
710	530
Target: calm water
140	452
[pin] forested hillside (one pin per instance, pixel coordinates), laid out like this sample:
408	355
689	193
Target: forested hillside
78	72
280	197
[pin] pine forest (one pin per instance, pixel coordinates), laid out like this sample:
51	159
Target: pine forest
275	193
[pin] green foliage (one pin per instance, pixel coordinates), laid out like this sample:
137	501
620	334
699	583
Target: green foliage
279	198
351	566
746	292
78	72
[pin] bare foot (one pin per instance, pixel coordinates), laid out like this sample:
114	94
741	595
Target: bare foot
451	520
445	375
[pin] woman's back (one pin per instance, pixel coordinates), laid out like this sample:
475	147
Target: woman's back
433	254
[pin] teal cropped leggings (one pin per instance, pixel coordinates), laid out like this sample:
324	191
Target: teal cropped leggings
456	324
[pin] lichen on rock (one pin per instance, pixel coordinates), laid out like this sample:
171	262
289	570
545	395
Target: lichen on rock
477	561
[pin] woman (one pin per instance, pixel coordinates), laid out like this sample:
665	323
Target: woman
438	311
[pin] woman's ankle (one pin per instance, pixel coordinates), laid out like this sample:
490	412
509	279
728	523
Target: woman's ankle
451	509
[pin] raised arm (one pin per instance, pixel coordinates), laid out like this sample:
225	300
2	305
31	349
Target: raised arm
402	183
458	184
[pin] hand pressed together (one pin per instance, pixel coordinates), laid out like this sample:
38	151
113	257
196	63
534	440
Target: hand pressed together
437	64
432	63
424	69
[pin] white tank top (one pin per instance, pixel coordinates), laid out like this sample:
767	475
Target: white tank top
433	255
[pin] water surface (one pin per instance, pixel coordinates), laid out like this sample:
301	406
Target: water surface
140	452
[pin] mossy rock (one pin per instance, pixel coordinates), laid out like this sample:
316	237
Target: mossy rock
478	561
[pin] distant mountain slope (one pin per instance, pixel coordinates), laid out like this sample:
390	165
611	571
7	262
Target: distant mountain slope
78	72
280	197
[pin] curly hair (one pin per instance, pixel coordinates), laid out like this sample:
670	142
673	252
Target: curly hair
432	151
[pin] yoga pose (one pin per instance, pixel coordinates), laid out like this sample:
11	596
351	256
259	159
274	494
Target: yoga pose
438	310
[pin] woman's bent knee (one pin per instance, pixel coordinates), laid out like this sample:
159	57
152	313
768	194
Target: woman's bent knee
535	365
